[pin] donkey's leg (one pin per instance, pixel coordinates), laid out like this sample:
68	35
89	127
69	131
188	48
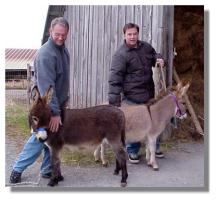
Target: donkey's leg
120	155
147	151
96	153
55	163
99	153
103	147
152	148
123	166
117	167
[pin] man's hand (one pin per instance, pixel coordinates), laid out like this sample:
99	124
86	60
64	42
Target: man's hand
160	61
117	104
54	124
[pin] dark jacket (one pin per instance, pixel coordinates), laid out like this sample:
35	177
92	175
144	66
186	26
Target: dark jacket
52	68
131	74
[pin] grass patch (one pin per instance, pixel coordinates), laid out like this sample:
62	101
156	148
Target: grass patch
77	157
16	120
81	157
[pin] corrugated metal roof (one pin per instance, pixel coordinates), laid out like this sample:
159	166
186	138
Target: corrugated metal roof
19	58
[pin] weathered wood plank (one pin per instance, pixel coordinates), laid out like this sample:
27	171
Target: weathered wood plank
96	33
90	47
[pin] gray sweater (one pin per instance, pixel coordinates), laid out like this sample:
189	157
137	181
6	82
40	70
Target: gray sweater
52	68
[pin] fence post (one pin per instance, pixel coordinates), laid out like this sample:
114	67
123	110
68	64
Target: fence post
29	82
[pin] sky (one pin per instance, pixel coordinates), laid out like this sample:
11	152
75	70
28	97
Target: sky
26	26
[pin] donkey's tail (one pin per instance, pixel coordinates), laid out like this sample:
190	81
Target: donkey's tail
123	137
122	125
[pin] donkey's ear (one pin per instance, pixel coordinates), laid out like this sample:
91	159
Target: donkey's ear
184	89
35	95
48	95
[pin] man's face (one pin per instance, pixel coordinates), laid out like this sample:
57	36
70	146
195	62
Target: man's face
59	34
131	37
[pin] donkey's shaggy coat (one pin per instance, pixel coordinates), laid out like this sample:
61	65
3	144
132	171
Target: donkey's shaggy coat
87	126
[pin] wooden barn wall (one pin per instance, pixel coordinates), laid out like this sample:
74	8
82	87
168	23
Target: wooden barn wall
95	34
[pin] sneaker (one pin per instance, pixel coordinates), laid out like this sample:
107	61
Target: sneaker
47	175
159	154
133	158
15	177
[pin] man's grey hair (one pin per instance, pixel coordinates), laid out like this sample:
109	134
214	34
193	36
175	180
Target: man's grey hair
61	21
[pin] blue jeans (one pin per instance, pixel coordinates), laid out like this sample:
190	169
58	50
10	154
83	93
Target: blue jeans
134	147
31	151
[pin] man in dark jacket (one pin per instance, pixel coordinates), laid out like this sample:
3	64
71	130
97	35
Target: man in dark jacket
51	69
130	78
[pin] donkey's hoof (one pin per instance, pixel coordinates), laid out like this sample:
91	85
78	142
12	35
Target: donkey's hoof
156	168
149	164
52	183
123	184
60	178
105	164
116	172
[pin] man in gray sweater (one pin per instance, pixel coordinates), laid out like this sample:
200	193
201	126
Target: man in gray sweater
51	68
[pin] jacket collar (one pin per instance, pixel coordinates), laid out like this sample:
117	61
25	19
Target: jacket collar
139	44
50	40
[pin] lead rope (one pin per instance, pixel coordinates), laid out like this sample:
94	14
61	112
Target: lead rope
163	77
163	80
173	121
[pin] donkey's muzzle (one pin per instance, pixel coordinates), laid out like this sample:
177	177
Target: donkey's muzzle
183	116
41	134
41	140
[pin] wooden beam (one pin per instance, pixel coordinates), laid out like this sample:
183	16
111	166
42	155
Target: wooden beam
190	107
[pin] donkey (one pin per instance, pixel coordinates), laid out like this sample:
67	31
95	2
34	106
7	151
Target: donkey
149	120
86	127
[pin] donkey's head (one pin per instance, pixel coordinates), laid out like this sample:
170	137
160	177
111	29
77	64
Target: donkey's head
40	112
178	98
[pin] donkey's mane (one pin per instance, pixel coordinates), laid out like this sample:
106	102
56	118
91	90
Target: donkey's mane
160	96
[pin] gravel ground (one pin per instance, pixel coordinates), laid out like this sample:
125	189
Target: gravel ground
181	169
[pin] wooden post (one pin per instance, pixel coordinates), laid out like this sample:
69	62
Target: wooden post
190	108
29	81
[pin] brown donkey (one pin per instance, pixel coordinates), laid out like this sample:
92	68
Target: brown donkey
149	120
87	127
